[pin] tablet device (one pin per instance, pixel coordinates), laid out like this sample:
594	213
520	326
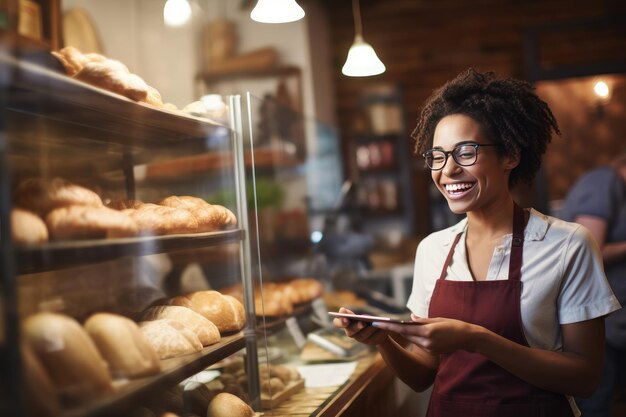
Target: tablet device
369	319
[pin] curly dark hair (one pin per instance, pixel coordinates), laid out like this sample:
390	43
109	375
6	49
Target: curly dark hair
508	109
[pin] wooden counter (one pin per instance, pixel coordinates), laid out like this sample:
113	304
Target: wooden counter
368	392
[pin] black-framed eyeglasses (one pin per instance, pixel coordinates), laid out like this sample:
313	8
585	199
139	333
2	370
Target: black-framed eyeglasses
464	155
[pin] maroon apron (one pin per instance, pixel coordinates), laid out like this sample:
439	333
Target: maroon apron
468	384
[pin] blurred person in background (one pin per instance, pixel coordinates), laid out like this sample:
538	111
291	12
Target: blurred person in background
598	201
509	303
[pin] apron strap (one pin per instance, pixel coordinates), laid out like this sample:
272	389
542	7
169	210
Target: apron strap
517	246
444	271
517	243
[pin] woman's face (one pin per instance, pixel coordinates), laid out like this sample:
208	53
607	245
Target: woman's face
476	187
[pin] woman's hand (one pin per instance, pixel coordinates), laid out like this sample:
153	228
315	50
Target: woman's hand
360	331
436	335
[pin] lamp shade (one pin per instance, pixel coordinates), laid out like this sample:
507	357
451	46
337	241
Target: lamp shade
176	12
362	60
276	11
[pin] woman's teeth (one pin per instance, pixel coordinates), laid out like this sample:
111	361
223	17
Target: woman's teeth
459	187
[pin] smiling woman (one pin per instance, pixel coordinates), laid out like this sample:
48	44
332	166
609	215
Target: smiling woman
494	340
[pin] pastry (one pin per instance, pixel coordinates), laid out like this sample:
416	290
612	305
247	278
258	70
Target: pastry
153	219
113	76
83	222
210	217
41	195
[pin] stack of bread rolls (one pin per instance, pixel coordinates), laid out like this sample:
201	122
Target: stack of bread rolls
186	323
68	211
56	209
177	214
108	74
279	298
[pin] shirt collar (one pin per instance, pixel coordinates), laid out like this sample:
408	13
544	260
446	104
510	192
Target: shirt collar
536	228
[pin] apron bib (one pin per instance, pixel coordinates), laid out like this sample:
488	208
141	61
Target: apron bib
468	384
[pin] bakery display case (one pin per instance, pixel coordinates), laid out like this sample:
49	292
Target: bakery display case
114	259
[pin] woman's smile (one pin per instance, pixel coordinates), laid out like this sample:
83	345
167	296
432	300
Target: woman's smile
458	189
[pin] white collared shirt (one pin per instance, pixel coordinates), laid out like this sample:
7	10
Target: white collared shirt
563	279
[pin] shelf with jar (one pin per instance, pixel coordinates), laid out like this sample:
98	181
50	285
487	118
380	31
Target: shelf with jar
381	163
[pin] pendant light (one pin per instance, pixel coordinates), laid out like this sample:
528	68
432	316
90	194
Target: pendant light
362	60
176	12
276	11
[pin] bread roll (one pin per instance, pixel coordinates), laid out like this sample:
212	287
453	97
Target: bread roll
223	310
123	346
27	228
83	222
170	338
41	195
69	356
228	405
272	386
206	331
157	220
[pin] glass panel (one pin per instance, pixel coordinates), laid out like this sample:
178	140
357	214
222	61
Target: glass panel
123	233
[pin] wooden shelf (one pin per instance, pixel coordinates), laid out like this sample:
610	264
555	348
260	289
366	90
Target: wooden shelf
57	255
188	166
109	117
174	370
280	71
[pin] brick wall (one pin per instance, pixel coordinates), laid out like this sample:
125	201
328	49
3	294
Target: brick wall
424	43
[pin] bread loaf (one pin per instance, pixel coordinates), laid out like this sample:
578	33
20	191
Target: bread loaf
83	222
123	346
170	338
38	387
41	195
206	331
69	356
223	310
157	220
228	405
27	228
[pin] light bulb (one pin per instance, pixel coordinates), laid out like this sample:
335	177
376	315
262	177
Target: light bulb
276	11
362	60
176	12
601	89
